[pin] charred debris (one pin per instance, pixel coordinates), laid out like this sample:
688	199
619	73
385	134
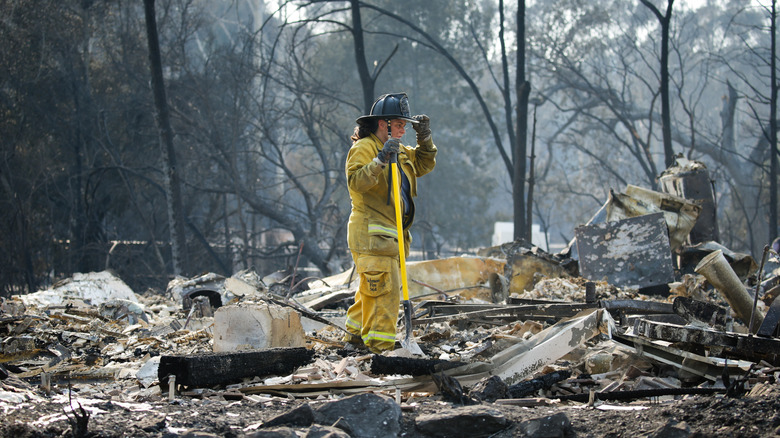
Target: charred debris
644	303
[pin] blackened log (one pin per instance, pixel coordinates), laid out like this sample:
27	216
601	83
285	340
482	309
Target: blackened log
451	390
383	365
302	416
522	389
642	393
209	369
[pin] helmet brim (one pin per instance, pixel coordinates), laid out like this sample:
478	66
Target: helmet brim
369	117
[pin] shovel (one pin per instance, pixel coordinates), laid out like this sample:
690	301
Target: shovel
407	342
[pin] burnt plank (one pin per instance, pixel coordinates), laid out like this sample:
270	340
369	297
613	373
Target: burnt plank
769	326
528	387
636	306
641	393
702	311
470	312
383	365
747	346
210	369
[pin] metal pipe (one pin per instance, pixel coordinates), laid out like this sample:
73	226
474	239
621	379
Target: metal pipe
716	269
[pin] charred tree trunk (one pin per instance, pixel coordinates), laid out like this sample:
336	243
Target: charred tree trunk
666	117
172	185
519	151
360	56
773	129
529	208
507	93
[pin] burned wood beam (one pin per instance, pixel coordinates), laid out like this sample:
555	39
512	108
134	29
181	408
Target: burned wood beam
522	389
517	301
702	311
540	310
474	311
769	326
630	320
746	346
549	308
643	393
209	369
382	365
636	306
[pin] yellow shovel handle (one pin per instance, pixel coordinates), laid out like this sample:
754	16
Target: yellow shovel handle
399	226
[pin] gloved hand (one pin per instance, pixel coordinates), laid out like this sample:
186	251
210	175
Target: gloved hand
391	147
422	127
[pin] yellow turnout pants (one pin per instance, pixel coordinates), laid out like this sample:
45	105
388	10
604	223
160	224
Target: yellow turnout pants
375	312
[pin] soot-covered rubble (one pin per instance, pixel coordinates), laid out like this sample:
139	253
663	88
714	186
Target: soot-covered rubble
516	342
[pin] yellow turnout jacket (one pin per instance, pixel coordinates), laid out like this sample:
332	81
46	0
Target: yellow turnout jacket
372	229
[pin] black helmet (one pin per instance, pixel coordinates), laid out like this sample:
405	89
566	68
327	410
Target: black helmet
390	106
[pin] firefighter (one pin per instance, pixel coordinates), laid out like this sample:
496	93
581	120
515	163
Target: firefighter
372	232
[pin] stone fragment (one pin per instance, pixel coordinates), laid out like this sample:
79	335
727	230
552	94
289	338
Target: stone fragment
302	416
672	429
326	432
343	424
552	426
369	415
198	434
275	432
470	421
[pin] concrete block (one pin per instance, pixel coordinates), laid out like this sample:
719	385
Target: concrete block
249	326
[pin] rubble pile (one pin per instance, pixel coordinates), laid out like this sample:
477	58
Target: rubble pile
513	328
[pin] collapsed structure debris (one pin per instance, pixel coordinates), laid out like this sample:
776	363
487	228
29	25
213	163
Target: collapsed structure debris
620	315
